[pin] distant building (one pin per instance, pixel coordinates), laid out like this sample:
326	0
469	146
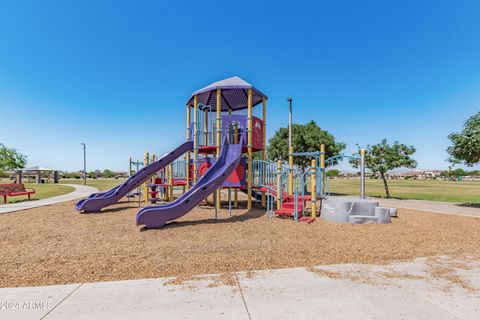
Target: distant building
420	174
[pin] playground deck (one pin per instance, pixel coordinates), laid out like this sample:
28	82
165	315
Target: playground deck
56	245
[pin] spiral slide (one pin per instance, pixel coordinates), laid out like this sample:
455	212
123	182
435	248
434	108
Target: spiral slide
158	216
97	201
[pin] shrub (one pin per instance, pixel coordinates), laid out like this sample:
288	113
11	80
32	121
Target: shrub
3	174
334	173
108	173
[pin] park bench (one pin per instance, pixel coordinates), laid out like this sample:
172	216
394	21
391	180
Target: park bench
14	189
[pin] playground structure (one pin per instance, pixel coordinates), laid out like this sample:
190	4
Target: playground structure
218	154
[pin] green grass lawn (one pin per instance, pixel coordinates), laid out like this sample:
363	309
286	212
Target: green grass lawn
100	184
41	191
435	190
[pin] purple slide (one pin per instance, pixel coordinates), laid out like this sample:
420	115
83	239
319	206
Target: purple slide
97	201
158	216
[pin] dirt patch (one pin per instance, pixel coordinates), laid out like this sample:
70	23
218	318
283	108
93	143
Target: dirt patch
57	245
436	268
446	270
351	275
223	279
326	273
401	275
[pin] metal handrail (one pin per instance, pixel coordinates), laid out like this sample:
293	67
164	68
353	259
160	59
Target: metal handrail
330	160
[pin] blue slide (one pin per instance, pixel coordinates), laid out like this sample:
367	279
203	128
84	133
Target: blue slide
158	216
97	201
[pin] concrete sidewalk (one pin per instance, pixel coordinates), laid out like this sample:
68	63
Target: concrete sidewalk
432	206
412	290
80	192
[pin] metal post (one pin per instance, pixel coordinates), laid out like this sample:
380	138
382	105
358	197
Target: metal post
218	137
362	174
130	167
289	122
290	148
322	167
129	173
235	141
290	171
84	163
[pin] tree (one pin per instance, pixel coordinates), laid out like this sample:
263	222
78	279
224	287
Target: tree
459	173
382	157
305	138
465	148
10	158
108	173
93	174
334	173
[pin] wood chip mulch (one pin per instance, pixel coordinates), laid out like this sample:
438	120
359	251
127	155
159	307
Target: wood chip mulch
57	245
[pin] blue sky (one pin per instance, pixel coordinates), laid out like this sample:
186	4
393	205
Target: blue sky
116	75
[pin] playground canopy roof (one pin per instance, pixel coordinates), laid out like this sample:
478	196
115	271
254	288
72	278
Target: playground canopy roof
234	94
37	168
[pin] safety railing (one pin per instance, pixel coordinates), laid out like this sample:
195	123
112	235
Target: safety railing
321	189
264	173
206	126
233	131
179	168
300	186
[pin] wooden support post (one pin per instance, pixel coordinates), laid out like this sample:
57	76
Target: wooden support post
264	150
165	182
290	171
313	192
195	139
145	185
279	183
250	149
170	182
235	198
187	155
